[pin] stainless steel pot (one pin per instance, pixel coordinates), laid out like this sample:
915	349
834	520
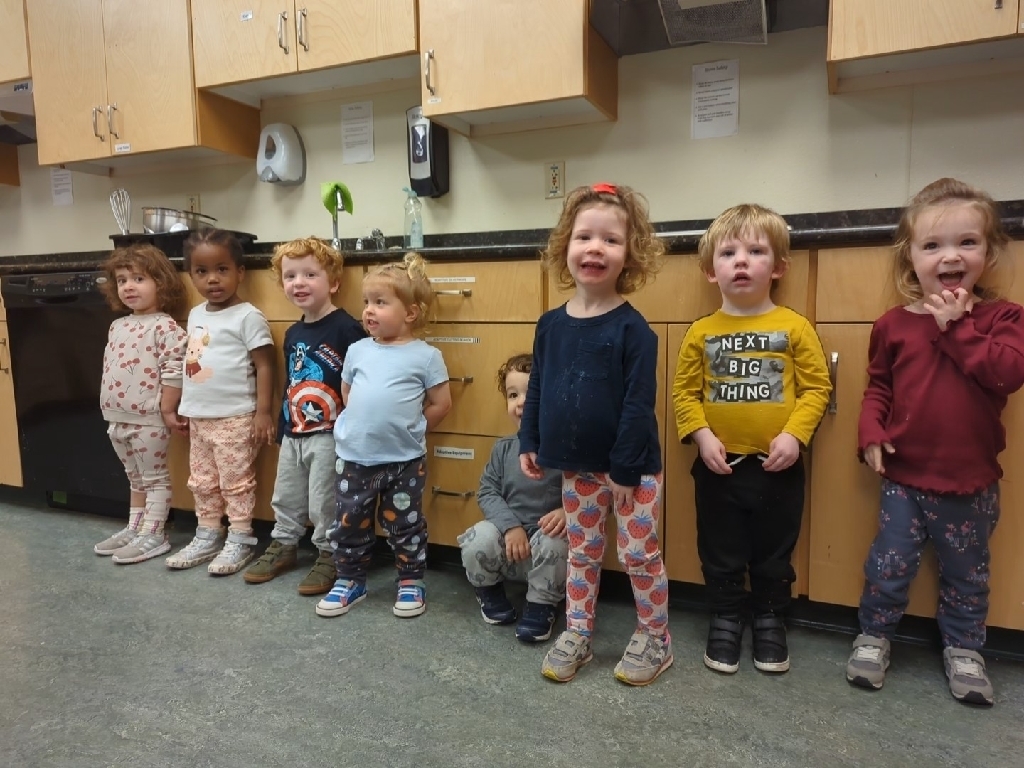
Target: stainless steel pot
160	220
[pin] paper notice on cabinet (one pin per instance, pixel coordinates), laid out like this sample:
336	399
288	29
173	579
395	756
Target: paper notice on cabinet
357	133
60	187
716	99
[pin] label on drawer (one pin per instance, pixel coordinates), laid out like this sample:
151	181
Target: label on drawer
453	279
125	147
452	339
443	452
245	16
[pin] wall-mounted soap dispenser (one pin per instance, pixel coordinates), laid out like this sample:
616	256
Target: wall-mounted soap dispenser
281	158
428	155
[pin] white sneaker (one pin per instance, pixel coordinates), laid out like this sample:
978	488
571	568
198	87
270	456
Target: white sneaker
143	547
203	547
113	543
239	549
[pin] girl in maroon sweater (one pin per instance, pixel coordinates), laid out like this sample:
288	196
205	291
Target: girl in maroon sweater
940	369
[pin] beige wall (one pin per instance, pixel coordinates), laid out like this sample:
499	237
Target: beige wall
798	149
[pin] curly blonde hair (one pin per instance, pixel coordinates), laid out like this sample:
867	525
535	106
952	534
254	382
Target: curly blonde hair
734	222
408	279
644	250
328	258
942	192
146	259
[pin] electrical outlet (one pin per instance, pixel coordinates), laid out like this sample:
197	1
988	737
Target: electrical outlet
554	179
193	204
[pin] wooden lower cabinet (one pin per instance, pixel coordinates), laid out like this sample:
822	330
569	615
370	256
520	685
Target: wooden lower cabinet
10	464
680	512
472	353
454	466
845	499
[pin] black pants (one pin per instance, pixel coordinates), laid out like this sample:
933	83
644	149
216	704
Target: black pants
749	519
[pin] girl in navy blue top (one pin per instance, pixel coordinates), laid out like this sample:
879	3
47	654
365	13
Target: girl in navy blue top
589	412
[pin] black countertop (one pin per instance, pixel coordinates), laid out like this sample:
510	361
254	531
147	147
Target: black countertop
874	226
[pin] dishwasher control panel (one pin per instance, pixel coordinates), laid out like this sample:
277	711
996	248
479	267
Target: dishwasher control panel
53	284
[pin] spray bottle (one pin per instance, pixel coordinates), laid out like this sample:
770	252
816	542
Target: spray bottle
413	220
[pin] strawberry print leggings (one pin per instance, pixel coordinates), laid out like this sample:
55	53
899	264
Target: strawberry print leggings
587	499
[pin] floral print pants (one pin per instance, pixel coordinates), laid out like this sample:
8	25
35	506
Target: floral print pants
959	527
587	499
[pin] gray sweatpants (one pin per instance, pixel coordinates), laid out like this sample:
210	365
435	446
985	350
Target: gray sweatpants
483	555
304	489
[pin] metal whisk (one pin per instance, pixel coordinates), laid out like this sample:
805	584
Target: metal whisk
121	205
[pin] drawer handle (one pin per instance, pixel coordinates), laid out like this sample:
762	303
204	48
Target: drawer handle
3	343
461	379
437	490
833	375
467	292
428	56
111	109
95	126
282	17
302	30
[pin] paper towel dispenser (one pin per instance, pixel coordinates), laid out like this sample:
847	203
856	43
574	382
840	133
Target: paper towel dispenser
428	155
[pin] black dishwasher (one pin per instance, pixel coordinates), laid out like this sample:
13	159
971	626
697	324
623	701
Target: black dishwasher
58	324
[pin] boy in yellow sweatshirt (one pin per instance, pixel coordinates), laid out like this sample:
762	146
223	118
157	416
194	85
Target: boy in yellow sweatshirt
750	387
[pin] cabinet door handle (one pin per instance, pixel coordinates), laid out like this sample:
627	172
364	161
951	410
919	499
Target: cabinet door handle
302	30
437	490
95	124
7	369
467	292
111	109
428	56
282	18
833	375
462	379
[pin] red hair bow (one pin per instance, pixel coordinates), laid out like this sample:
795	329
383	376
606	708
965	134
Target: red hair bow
604	186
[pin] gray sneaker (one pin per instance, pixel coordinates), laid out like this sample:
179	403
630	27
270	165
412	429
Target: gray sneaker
570	652
645	658
204	546
111	544
868	661
968	680
238	550
143	547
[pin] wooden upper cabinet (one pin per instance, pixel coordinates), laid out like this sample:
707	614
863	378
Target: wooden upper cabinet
69	79
149	76
332	34
114	77
881	43
873	27
13	41
241	41
505	65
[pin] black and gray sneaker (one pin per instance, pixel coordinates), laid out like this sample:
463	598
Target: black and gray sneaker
536	623
723	649
771	653
495	606
968	680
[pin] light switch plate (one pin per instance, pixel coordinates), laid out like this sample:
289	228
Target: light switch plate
554	179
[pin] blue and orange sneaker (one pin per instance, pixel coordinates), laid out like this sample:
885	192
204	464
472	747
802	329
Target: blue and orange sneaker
343	595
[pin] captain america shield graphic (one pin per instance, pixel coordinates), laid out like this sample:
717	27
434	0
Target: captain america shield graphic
311	405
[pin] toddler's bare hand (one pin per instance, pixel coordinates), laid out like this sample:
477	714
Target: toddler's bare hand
264	429
712	451
553	523
949	306
528	463
873	456
782	453
517	544
622	497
